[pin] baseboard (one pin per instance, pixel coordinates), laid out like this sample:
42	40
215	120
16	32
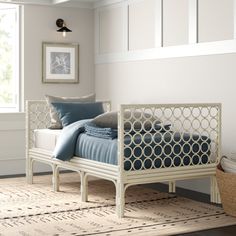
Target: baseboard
35	174
195	195
16	167
42	173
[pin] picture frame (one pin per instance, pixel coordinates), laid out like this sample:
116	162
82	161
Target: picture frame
60	63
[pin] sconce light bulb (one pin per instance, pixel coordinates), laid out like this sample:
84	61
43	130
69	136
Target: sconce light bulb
64	34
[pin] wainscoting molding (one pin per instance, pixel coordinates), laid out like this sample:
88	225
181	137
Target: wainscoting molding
210	48
193	48
16	165
12	145
12	121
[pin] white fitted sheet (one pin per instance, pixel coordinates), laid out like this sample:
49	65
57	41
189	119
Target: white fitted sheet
46	138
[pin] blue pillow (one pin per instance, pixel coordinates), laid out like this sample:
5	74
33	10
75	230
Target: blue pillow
72	112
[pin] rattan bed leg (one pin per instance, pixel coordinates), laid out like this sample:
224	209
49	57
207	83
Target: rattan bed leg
55	178
215	195
84	187
29	170
212	190
172	187
120	199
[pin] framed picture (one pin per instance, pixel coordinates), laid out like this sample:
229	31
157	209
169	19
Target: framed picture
60	63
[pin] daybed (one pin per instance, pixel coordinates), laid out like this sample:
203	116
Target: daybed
156	143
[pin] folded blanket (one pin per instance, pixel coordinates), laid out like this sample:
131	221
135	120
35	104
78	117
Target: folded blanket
93	130
231	157
228	165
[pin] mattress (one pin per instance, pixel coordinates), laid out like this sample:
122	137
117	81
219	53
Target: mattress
46	138
105	150
97	149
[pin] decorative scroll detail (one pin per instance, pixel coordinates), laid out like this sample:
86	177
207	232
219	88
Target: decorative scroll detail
161	136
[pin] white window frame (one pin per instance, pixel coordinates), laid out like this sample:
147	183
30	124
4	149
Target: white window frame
16	74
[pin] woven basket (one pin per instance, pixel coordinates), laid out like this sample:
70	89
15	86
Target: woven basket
227	187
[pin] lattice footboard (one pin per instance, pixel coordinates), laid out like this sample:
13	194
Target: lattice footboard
168	142
169	135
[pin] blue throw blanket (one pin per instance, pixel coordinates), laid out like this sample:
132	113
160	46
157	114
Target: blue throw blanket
93	130
65	147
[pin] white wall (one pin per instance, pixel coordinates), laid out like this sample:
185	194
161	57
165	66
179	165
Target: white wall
186	79
209	78
39	26
176	80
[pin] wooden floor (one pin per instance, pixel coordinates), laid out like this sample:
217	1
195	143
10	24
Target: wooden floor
223	231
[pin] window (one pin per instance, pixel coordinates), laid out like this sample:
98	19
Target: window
9	58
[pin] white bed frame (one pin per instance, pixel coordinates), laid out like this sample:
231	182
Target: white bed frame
202	119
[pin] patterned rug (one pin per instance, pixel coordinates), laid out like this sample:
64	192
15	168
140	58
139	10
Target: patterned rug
36	210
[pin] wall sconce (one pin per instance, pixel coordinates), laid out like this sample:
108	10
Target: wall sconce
62	25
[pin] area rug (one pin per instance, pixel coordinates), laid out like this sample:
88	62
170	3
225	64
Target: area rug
37	210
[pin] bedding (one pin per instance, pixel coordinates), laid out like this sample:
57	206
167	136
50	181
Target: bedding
228	164
55	120
151	124
65	146
72	112
46	138
105	150
96	131
110	120
96	149
190	149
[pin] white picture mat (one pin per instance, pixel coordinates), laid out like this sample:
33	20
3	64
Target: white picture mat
49	50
